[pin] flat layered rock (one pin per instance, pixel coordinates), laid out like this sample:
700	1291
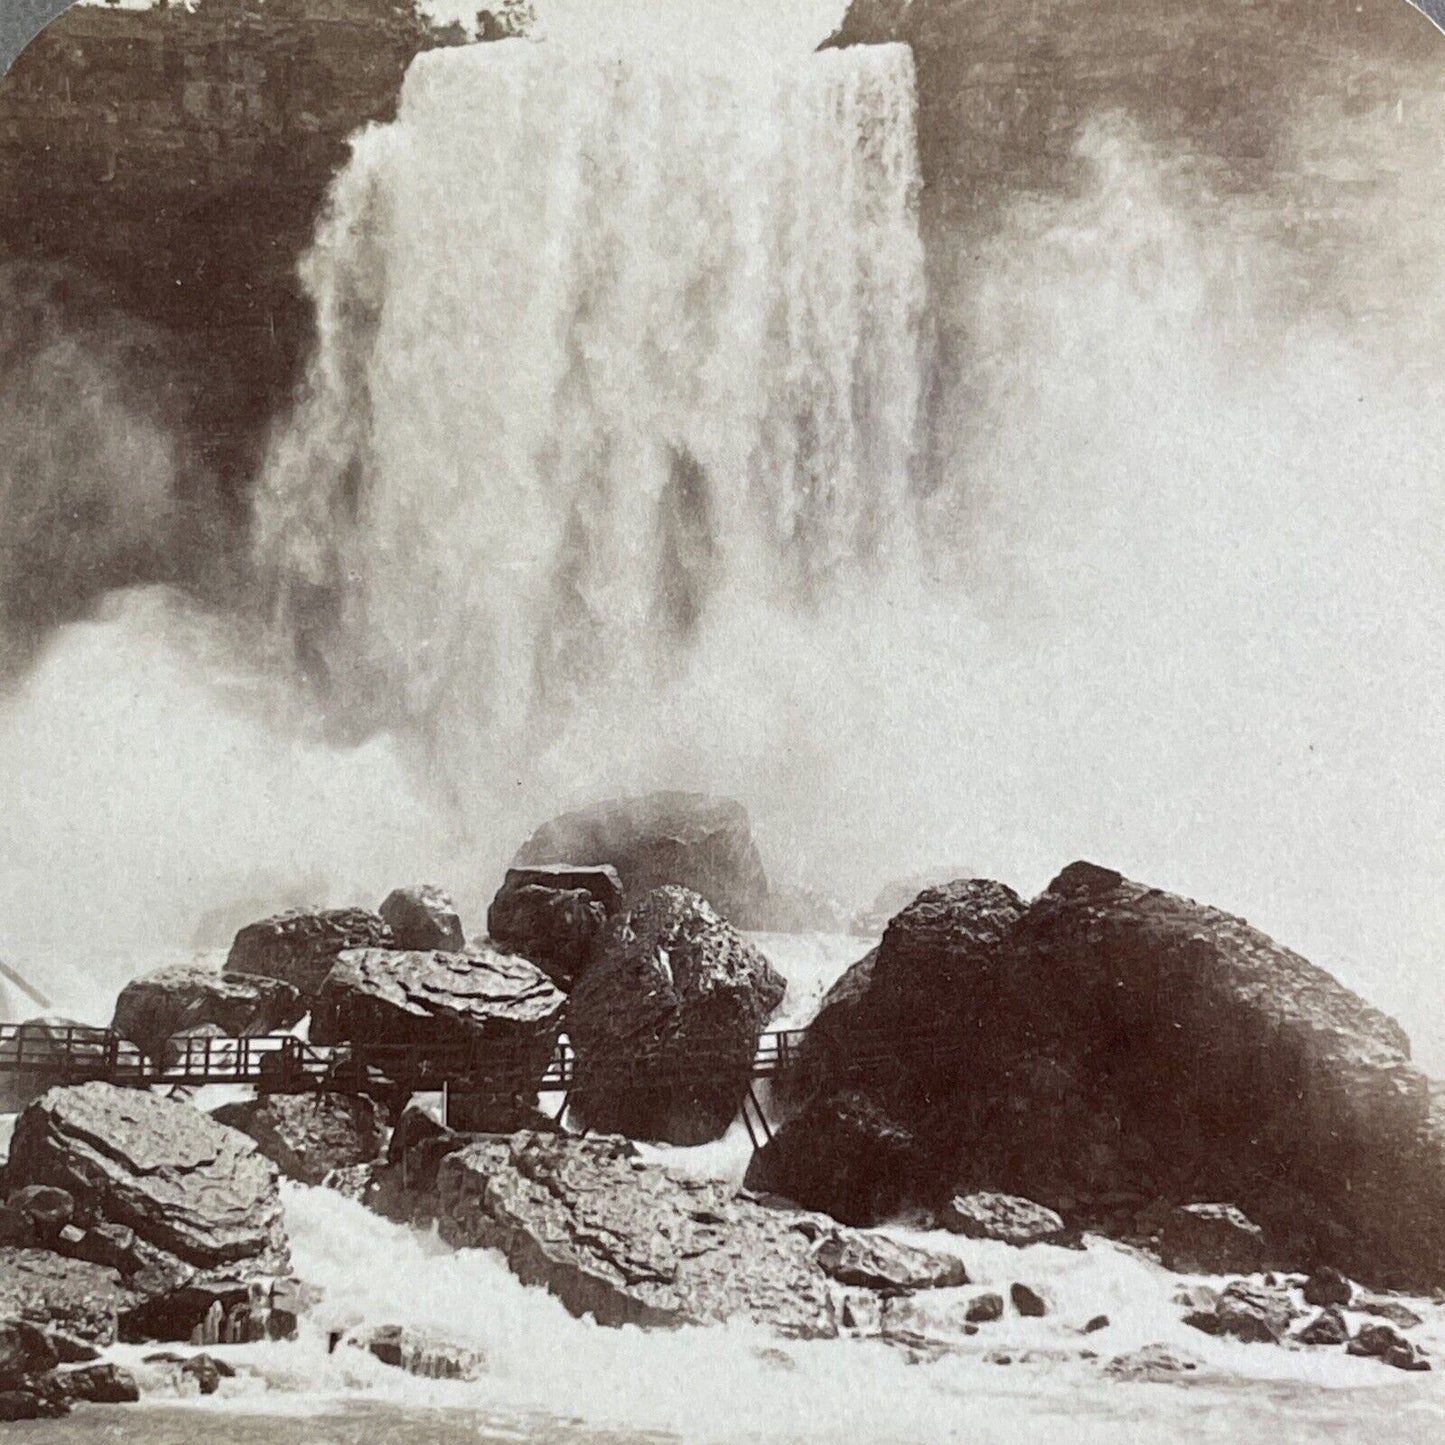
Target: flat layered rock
500	1004
632	1243
300	947
185	1184
170	1001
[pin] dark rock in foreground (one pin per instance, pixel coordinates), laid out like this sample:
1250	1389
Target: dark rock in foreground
300	947
501	1005
666	1021
308	1135
630	1243
689	839
186	1185
170	1001
555	914
423	917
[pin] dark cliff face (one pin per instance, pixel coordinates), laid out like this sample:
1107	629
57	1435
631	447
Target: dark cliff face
177	160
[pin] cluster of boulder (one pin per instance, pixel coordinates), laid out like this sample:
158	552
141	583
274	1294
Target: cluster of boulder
130	1217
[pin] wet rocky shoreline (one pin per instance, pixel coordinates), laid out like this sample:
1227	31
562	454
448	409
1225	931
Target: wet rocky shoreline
1105	1060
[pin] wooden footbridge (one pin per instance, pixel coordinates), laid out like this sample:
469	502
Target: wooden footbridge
281	1063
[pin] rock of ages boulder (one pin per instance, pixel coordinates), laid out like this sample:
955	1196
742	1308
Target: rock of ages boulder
1212	1239
554	914
500	1005
301	946
308	1135
185	1184
423	917
985	1308
632	1243
689	839
1004	1217
1054	1032
666	1021
170	1001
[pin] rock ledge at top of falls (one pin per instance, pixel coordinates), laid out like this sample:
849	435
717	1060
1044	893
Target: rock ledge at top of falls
189	1188
633	1243
443	1000
300	946
690	839
1114	1049
666	1021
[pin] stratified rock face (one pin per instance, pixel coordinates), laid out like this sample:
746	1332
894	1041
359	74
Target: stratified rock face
631	1243
498	1003
170	1001
422	916
185	1184
666	1021
1113	1042
300	947
554	914
690	839
308	1135
80	1298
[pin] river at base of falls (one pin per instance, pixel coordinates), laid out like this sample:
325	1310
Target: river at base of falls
549	1377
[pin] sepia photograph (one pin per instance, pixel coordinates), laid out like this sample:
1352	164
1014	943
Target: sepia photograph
722	722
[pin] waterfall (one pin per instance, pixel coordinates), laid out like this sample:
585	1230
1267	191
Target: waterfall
614	348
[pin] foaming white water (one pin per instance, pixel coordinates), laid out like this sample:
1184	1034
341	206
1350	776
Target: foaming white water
618	370
545	1369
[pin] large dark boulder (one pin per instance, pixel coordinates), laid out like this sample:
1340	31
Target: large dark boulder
189	1188
630	1243
1112	1042
666	1021
170	1001
300	947
500	1007
689	839
554	914
422	916
308	1135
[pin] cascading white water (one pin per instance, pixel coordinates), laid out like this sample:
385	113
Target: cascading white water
614	348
